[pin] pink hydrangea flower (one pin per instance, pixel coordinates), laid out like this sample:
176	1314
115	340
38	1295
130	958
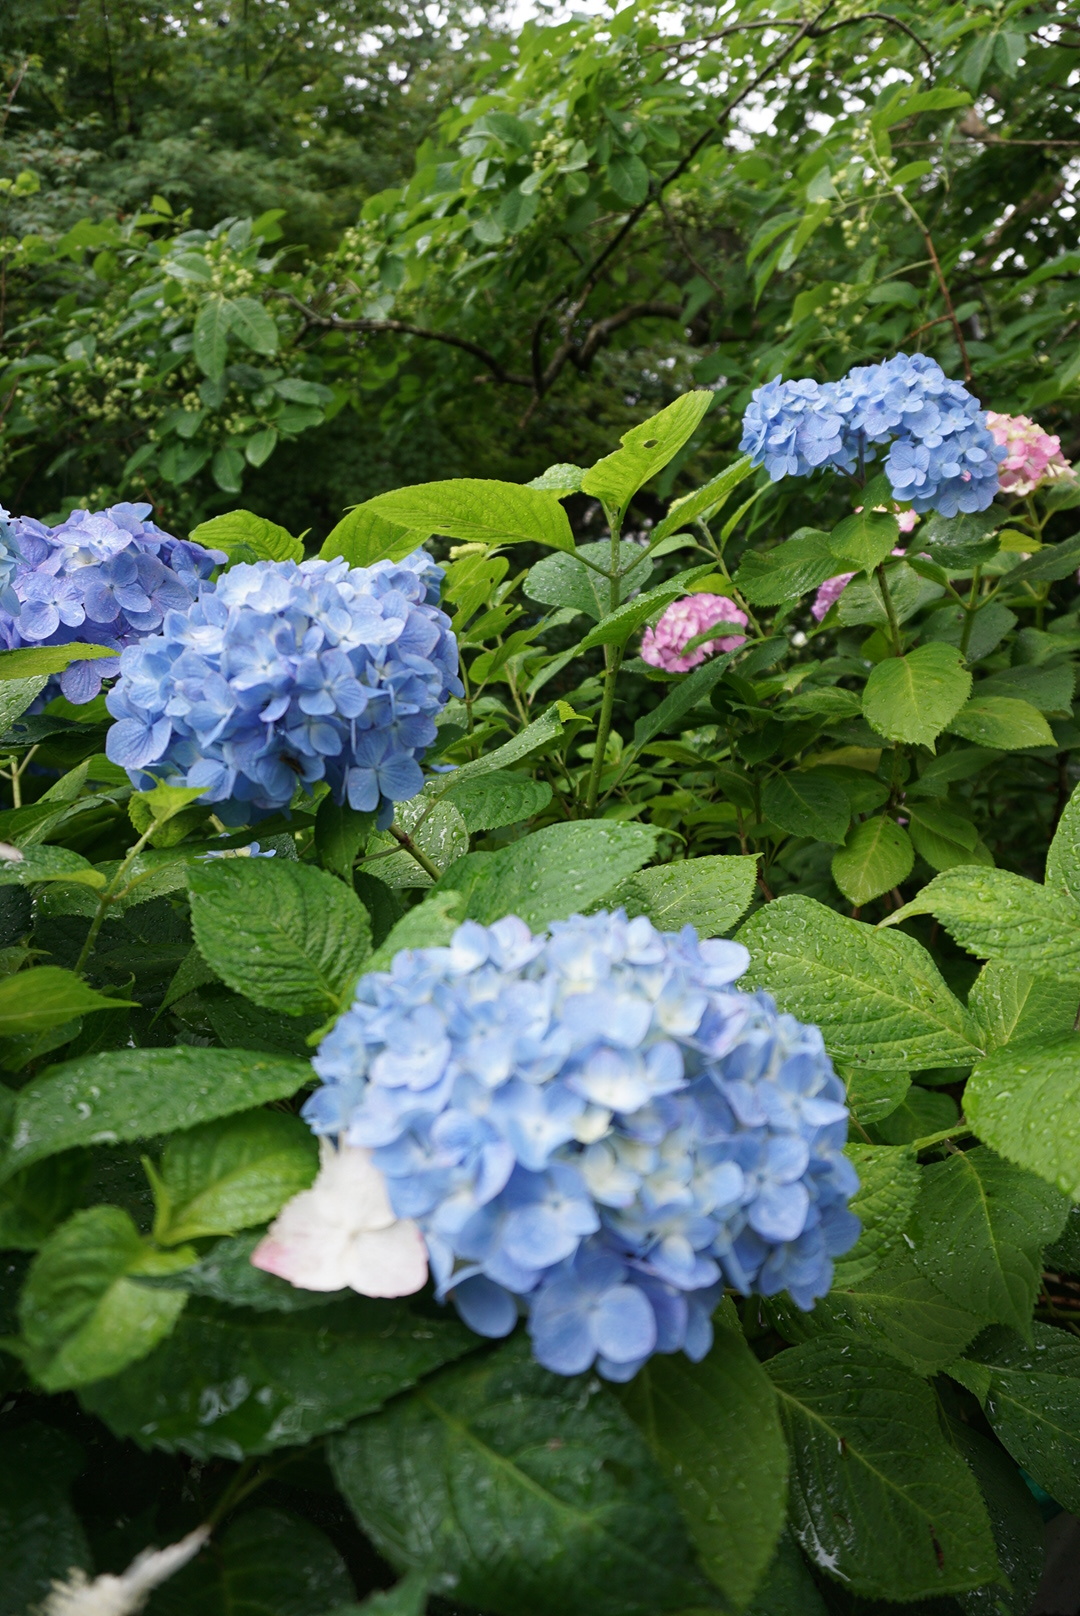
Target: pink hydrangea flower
1033	457
831	590
683	620
342	1232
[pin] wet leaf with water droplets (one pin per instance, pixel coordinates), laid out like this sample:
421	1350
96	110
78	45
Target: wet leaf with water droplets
1001	916
1033	1404
1024	1101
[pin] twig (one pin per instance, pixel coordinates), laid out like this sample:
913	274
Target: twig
403	838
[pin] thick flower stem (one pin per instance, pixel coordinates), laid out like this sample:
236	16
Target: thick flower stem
406	841
890	609
110	893
603	728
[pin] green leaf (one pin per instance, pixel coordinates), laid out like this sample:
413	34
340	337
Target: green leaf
980	1230
1002	721
646	449
489	801
774	577
1047	565
944	839
1033	1404
864	540
616	627
340	833
267	540
1063	859
16	695
41	1537
711	893
558	872
266	1563
714	1430
226	1274
804	802
228	1382
1024	1102
876	856
231	1174
703	502
139	1094
158	806
364	536
285	935
879	1500
877	996
36	660
478	510
1017	1527
46	996
82	1313
569	581
912	698
254	325
998	915
212	328
922	1111
1013	1006
684	695
437	829
788	1588
48	864
531	742
959	542
628	177
562	478
34	1201
888	1189
532	1491
873	1095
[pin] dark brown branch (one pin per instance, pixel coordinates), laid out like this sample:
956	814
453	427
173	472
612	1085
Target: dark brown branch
333	322
600	330
876	16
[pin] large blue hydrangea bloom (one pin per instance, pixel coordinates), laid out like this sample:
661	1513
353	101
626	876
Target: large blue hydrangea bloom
594	1127
942	455
283	673
99	578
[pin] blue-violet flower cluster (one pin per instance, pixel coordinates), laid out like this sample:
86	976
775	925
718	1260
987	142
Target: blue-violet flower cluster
284	673
99	578
942	455
594	1127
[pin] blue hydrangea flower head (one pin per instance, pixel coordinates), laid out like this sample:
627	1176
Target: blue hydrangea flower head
99	578
283	674
593	1127
942	455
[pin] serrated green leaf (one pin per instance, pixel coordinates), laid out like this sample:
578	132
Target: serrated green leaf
557	872
34	1201
364	536
774	577
436	827
48	864
268	540
489	801
1016	1523
879	1500
228	1382
82	1313
684	695
913	697
266	1563
430	924
567	581
1010	1005
877	996
533	1491
863	540
980	1230
873	1095
703	501
41	1537
35	660
226	1274
1063	859
285	935
1033	1404
477	510
646	449
228	1175
805	802
883	1203
16	695
999	915
340	833
1001	721
212	326
140	1094
47	996
1024	1101
711	893
876	856
714	1430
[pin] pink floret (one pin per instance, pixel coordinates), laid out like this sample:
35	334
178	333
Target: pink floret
1034	456
682	622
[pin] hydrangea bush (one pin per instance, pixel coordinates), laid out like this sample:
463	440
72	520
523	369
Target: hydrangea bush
609	1147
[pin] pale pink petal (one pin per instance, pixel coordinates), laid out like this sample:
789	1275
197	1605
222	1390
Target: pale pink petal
388	1262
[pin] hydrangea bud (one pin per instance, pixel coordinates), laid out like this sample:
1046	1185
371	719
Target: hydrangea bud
682	622
284	674
98	578
592	1127
1032	456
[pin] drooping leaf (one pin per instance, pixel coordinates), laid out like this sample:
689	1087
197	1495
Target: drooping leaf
646	449
999	915
82	1312
212	327
980	1230
1001	721
806	802
1032	1399
231	1174
46	996
879	1500
714	1430
477	510
711	893
283	934
140	1094
863	539
1024	1102
266	1563
228	1382
773	577
267	540
913	697
533	1491
877	996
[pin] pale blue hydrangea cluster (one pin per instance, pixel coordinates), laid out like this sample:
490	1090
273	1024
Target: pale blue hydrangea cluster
284	674
99	578
942	455
595	1128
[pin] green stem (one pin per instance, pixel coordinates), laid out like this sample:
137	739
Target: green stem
16	778
959	1131
613	656
109	895
890	610
970	608
406	841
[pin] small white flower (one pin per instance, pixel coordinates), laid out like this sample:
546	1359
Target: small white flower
11	855
128	1593
343	1232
